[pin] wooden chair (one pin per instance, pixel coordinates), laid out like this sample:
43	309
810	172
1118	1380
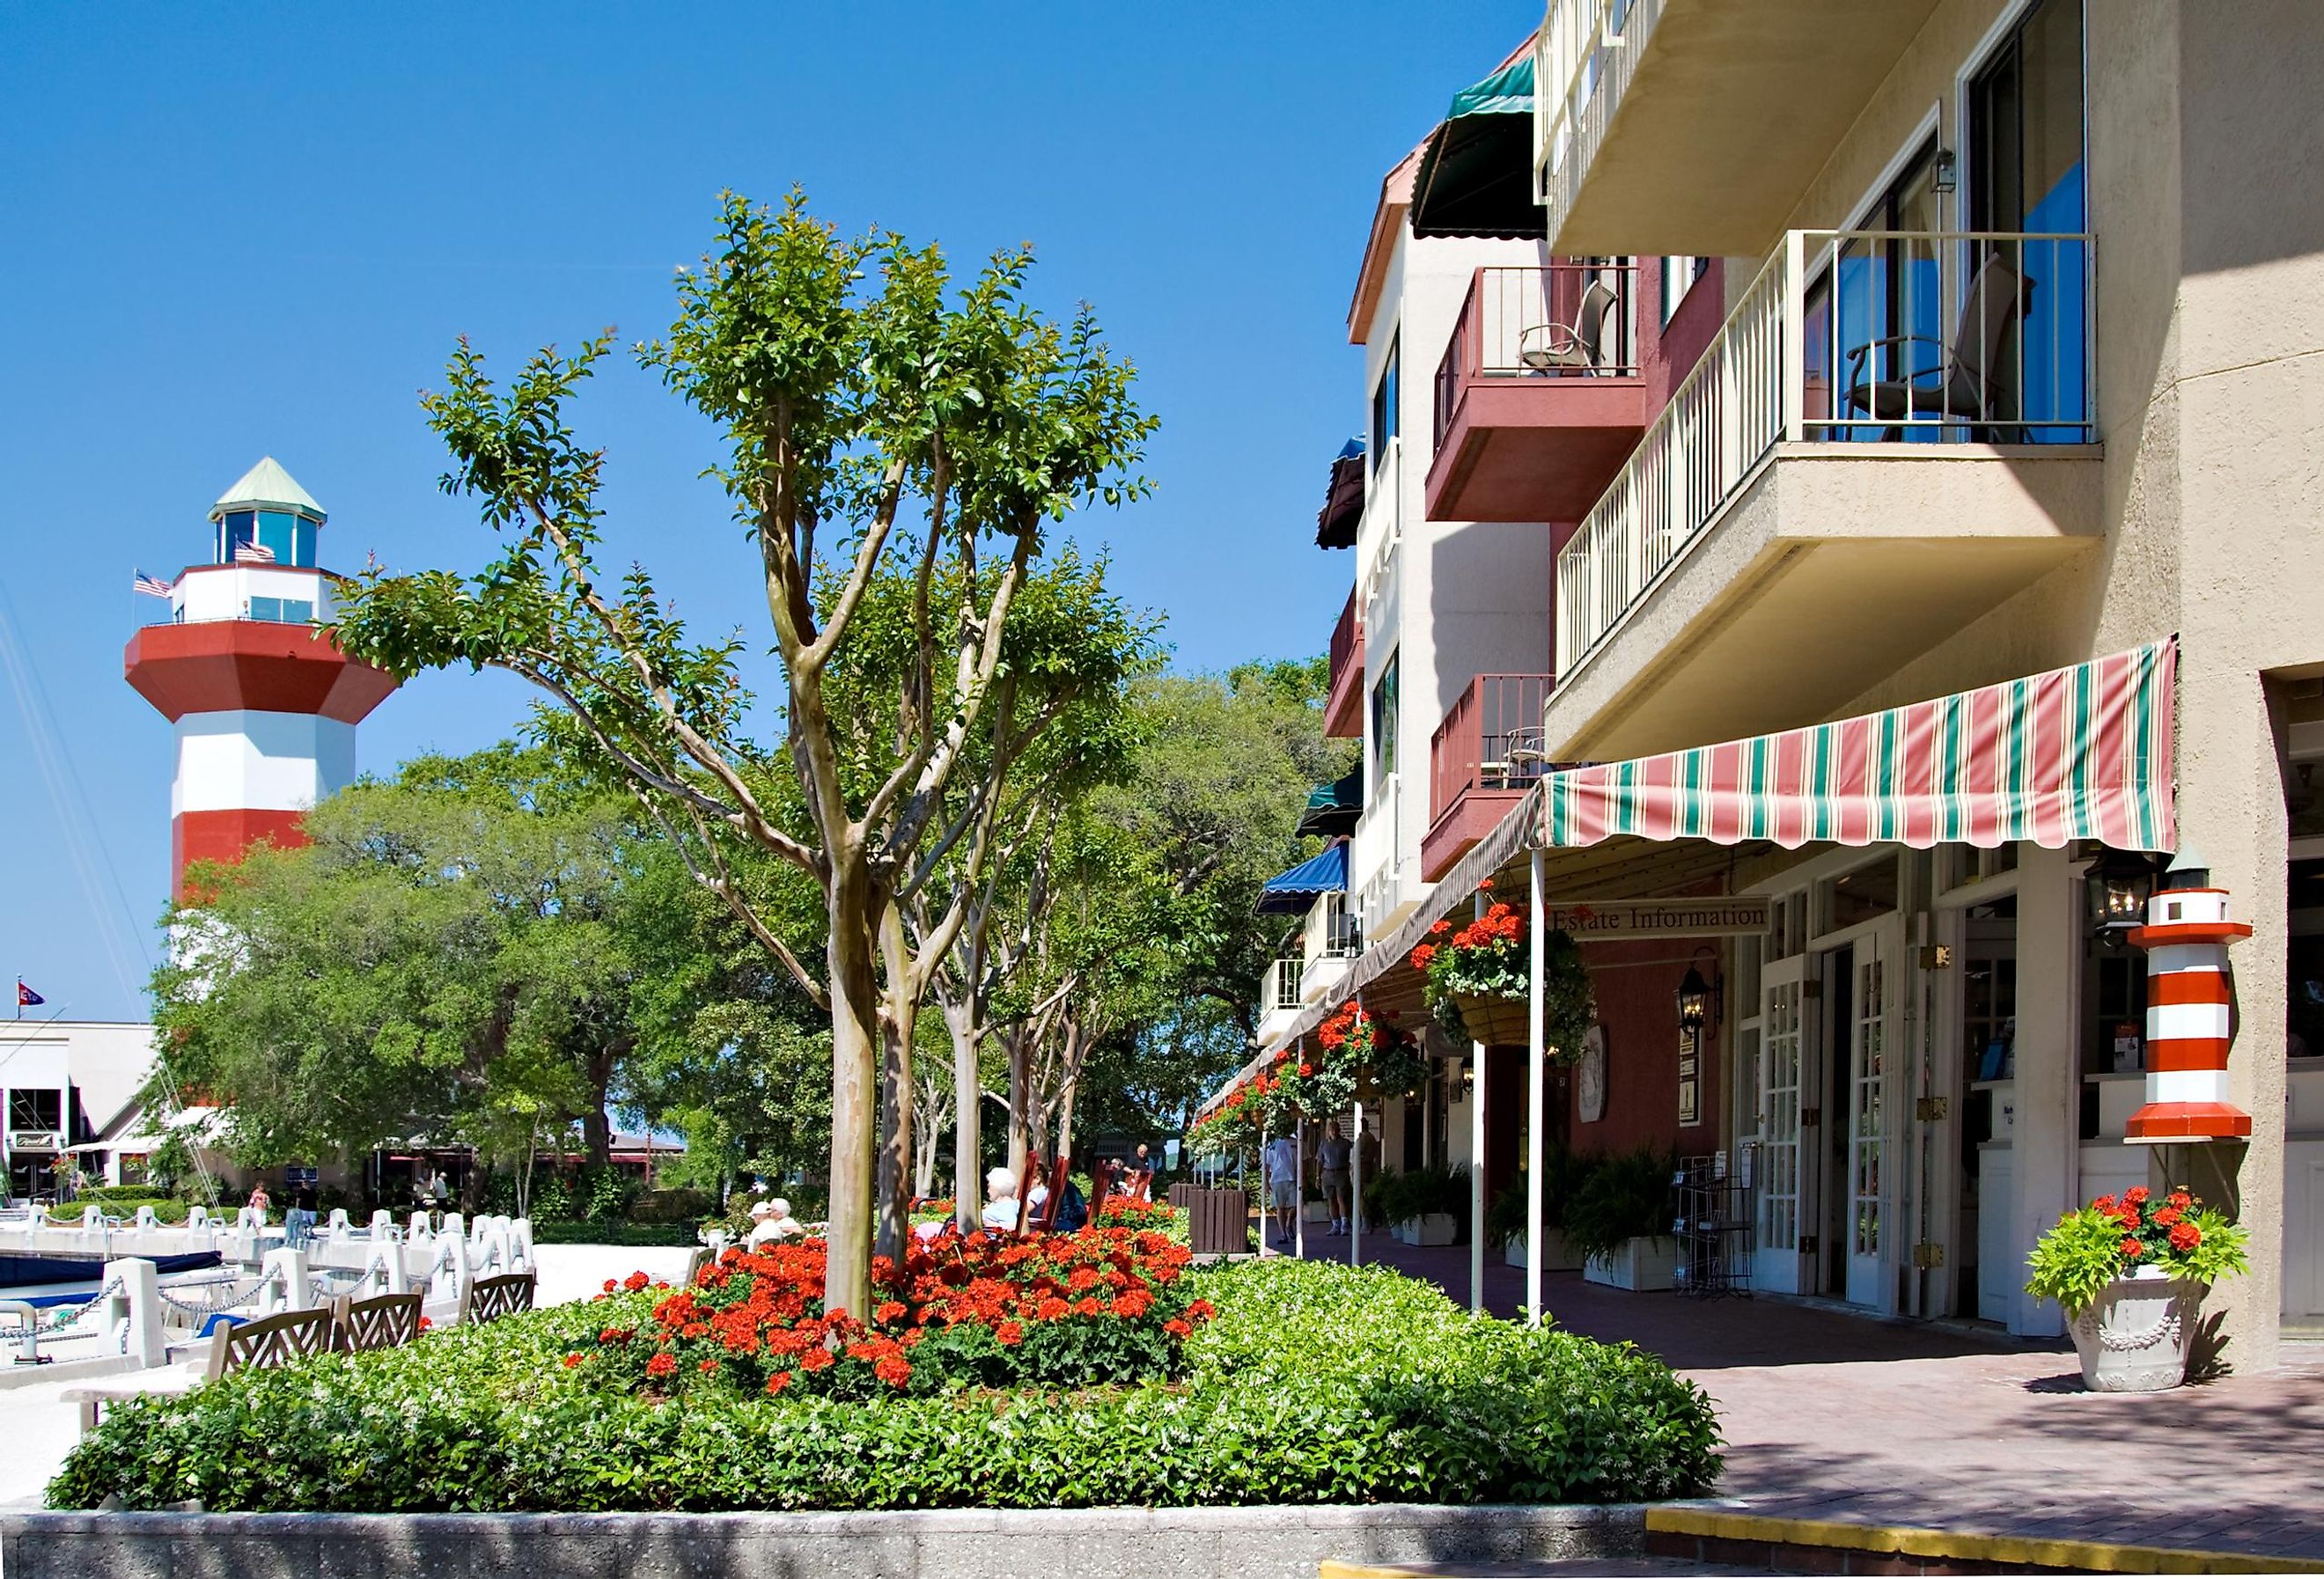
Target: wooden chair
385	1321
490	1299
1032	1219
274	1340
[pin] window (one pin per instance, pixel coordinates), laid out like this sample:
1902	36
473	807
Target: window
283	611
1383	396
36	1110
238	527
1679	275
1861	894
1384	711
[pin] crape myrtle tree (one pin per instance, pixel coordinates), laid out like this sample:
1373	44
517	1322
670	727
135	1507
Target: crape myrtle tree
879	422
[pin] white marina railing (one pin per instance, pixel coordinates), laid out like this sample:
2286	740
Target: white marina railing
1910	337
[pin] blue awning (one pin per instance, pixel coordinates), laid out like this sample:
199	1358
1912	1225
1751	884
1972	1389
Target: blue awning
1292	892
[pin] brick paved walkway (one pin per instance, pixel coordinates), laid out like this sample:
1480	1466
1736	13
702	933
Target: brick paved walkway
1840	1417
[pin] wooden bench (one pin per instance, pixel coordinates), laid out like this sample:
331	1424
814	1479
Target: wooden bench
385	1321
490	1299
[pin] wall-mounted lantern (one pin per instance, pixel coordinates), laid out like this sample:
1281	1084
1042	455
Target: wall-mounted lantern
2118	887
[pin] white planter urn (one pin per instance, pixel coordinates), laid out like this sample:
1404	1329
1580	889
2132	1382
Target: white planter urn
1430	1228
1643	1265
1555	1256
2133	1337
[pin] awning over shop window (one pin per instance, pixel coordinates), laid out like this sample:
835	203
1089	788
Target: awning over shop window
2082	752
1291	891
1333	808
1476	168
1343	498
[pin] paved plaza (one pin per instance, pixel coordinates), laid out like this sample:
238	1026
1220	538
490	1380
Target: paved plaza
1833	1415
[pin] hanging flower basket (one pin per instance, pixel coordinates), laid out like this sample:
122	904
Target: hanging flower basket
1497	1022
1478	982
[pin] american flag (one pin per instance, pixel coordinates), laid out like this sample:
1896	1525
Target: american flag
253	553
153	586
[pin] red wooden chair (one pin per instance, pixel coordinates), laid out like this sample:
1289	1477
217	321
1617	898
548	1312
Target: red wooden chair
1030	1218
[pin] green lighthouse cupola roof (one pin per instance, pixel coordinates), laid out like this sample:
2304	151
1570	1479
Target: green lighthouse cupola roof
266	518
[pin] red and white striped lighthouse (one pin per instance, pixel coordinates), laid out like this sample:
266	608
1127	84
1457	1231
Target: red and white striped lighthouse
2189	1017
264	704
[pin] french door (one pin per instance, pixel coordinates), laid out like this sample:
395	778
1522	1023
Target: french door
1867	1119
1775	1266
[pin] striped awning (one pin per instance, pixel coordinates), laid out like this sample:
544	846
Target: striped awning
2077	753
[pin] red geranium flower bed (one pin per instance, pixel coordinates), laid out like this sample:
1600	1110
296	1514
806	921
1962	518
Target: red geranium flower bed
988	1309
1119	1211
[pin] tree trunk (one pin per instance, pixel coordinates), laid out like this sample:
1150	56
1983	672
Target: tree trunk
1020	1104
598	1136
968	1111
898	1017
855	1059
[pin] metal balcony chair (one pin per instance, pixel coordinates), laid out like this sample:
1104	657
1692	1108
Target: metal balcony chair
1574	347
1968	382
1518	761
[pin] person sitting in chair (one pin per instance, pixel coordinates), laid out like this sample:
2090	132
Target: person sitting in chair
1001	1200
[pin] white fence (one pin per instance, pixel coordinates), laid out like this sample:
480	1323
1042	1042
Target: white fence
1912	336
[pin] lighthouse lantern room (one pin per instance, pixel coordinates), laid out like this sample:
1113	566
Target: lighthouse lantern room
264	704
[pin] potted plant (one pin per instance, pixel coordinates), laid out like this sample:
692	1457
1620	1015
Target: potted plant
2129	1271
1619	1222
1477	982
1423	1205
1564	1173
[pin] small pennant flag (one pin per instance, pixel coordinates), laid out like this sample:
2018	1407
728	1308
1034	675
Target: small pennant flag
153	586
26	998
253	553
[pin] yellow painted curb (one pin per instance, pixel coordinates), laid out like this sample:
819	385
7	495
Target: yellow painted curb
2005	1550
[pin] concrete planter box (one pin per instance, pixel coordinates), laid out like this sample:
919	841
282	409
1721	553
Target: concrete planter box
1431	1228
1641	1264
2134	1337
1555	1256
1164	1543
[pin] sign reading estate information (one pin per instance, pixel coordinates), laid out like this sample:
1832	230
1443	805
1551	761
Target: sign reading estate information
1661	918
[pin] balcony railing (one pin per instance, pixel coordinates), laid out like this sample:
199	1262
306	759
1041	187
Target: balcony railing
1566	320
1332	931
1278	988
1922	336
1382	529
1583	63
1347	647
1489	740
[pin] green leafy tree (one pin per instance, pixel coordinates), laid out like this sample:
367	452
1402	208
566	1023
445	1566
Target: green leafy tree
462	952
873	413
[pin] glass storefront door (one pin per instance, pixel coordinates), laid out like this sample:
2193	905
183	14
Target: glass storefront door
1776	1265
1867	1119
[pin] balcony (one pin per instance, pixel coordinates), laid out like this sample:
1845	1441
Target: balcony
1343	700
1376	864
1892	433
1380	535
1538	396
1693	127
1484	757
1331	937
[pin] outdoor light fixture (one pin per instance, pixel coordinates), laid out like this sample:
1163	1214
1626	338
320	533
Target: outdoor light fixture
2118	887
1940	176
1698	1000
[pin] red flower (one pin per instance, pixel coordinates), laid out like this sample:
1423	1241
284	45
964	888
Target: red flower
1176	1327
1306	1071
708	1367
425	1324
2104	1205
2136	1195
892	1311
2167	1216
571	1361
2185	1237
661	1364
2132	1250
817	1360
611	1285
777	1381
1008	1335
635	1282
894	1371
2180	1200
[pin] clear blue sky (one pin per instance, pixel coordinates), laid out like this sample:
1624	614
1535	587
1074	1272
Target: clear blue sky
233	232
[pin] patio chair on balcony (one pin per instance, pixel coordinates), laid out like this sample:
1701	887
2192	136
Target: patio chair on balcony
1518	760
1969	380
1575	347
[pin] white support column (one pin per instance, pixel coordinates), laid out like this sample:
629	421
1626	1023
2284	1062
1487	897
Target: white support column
1477	1166
1299	1218
287	1268
1266	1197
2045	1148
1356	1191
1536	1083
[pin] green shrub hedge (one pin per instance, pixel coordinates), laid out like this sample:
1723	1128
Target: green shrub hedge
1314	1383
634	1236
123	1207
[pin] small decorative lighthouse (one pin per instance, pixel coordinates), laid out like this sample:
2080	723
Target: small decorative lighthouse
2189	1012
264	704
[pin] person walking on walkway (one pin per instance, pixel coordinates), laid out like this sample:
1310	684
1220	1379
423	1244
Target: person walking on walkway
1283	1185
1333	1157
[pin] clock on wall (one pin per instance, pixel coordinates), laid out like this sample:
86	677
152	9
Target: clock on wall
1591	1074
